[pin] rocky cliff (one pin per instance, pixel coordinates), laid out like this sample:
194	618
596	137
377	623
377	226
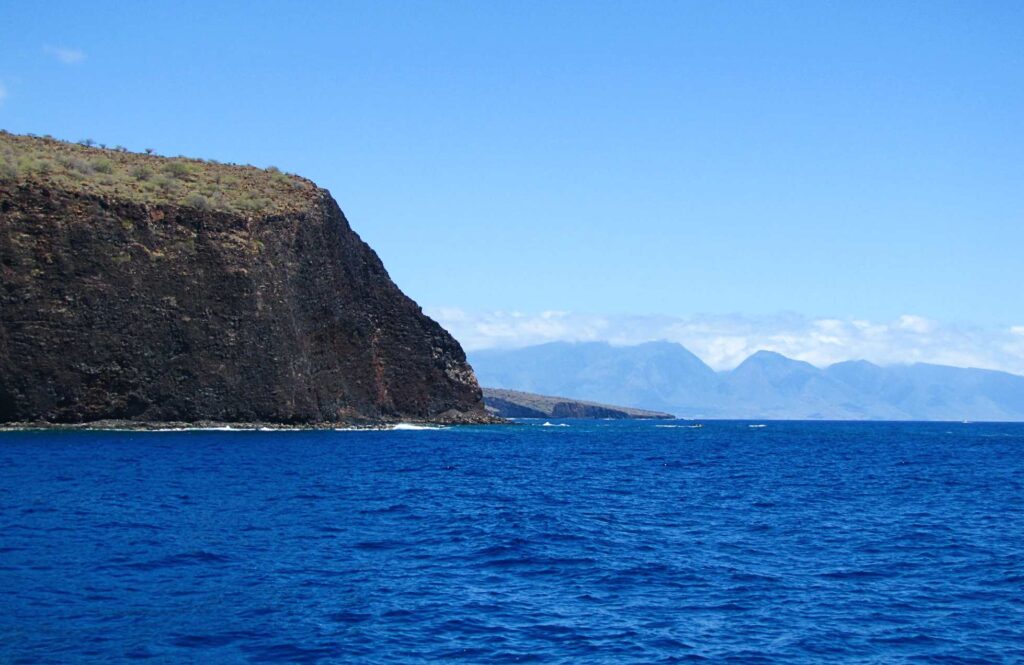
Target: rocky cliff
145	289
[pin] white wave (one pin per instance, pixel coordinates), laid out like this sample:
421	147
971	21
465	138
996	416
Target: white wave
697	426
550	424
756	426
411	426
190	429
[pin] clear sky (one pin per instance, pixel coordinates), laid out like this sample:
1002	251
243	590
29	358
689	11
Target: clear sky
852	161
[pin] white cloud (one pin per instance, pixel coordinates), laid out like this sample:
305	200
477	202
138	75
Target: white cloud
3	93
916	324
723	341
69	56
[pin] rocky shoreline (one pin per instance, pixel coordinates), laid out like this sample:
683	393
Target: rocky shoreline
209	425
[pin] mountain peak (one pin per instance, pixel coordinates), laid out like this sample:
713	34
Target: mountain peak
854	364
772	360
763	355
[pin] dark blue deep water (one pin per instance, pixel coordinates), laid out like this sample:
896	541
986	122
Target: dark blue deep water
596	542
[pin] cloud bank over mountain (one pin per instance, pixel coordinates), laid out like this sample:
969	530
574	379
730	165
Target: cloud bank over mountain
724	341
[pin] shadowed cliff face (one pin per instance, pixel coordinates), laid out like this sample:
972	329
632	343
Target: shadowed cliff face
118	309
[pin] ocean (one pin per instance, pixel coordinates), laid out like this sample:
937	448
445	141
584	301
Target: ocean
583	541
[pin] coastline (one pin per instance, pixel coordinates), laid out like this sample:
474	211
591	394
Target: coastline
219	426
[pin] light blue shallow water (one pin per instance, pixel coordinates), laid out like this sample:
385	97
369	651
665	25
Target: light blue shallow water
597	542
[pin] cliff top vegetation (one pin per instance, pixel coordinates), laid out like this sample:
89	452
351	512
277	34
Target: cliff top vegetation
148	178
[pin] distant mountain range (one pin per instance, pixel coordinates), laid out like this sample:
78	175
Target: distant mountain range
665	376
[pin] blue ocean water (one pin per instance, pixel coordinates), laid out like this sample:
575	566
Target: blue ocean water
593	542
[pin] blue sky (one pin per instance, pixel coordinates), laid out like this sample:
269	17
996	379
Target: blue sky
852	161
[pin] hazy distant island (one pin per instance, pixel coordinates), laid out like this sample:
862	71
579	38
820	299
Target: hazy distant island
145	289
667	377
517	404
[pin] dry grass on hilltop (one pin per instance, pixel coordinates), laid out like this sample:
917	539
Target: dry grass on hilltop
147	178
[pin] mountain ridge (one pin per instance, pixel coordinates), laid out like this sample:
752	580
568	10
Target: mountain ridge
765	385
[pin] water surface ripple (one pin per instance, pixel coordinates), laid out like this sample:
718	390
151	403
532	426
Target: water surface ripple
597	542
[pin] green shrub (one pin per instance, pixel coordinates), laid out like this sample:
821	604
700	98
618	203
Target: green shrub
180	170
248	203
79	165
141	173
167	184
27	165
103	165
8	172
197	201
219	200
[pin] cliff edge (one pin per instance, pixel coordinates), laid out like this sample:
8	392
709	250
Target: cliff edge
143	288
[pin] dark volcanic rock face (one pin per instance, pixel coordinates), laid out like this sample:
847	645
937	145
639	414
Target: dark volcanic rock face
115	309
